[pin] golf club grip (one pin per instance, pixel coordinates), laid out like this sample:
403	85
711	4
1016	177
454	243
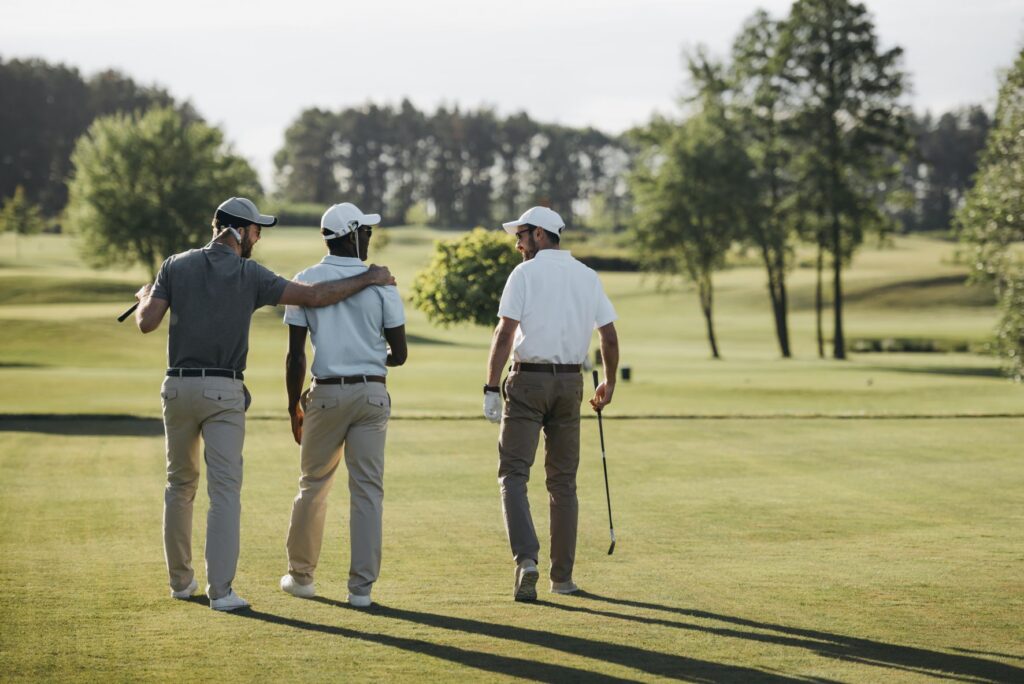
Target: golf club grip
128	312
595	379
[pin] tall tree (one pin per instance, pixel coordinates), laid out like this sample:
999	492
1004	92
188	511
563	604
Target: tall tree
479	161
991	221
759	100
306	163
145	187
690	187
850	119
20	216
515	143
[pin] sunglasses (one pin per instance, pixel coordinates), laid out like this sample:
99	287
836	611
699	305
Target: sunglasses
519	235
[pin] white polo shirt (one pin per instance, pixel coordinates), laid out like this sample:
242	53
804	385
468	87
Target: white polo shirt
558	302
348	337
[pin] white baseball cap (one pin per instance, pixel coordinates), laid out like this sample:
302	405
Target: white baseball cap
542	217
244	209
342	219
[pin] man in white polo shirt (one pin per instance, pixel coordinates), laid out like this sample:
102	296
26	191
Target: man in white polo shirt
549	309
348	405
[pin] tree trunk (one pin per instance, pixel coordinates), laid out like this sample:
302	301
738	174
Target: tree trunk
777	293
820	267
838	342
705	306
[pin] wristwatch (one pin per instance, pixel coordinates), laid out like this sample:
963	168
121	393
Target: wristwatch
491	388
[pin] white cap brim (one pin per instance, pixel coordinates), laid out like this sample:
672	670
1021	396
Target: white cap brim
511	226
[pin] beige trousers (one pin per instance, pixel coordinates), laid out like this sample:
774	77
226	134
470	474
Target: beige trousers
356	417
534	402
213	408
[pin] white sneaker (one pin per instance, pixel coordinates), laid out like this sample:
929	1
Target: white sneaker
230	602
357	601
526	581
291	586
564	587
187	592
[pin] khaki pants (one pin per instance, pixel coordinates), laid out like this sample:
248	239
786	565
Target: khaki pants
551	402
356	417
214	408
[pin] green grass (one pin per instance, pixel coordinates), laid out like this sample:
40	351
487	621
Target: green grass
777	520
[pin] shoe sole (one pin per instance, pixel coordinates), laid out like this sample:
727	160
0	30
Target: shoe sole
228	609
565	592
527	589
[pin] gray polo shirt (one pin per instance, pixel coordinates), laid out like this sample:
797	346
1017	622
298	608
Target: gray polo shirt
213	293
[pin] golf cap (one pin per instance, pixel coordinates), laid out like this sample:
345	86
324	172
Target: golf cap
342	219
542	217
242	208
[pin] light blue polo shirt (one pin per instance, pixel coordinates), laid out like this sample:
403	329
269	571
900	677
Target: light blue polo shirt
348	337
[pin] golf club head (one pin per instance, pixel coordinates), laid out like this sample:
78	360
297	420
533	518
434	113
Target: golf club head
611	549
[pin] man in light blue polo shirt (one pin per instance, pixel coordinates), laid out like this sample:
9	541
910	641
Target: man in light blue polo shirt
348	405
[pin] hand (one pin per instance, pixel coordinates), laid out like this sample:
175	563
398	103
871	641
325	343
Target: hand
143	292
381	275
493	406
602	395
297	414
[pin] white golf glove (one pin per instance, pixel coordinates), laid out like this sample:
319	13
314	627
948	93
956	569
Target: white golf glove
493	406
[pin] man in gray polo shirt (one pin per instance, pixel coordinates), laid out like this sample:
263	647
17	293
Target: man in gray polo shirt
549	309
348	405
212	293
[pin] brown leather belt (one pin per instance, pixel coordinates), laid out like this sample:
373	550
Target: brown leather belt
546	367
351	380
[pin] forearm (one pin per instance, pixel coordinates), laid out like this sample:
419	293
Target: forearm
609	353
333	291
501	347
150	313
294	374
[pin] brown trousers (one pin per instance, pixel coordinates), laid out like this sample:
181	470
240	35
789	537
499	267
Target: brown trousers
356	417
536	401
215	409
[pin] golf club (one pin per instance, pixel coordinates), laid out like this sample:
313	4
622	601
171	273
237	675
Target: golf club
127	312
604	464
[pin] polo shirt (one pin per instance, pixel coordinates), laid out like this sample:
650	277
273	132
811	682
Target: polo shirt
348	337
212	293
558	302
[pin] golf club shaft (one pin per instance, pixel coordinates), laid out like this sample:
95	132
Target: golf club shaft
604	465
127	312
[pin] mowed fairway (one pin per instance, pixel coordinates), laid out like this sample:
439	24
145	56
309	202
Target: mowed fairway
800	520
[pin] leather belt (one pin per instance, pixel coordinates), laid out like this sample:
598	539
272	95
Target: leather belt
204	373
351	380
546	367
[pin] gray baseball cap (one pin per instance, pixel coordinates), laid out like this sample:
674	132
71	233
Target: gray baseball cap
242	208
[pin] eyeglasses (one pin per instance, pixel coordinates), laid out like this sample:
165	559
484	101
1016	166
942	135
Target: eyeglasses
519	235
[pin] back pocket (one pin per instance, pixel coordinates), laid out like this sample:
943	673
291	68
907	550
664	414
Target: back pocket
224	396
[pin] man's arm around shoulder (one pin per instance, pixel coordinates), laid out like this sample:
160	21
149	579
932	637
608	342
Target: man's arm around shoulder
333	291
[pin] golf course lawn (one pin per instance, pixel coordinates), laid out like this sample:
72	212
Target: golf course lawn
776	520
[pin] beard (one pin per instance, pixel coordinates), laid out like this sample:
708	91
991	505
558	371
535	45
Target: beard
529	249
246	247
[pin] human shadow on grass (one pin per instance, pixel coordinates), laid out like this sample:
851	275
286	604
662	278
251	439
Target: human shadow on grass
956	371
489	662
114	425
867	651
668	665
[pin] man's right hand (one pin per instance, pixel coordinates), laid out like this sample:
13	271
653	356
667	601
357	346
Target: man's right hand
297	415
602	395
381	275
493	406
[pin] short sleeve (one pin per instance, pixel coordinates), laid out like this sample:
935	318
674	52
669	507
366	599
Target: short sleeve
605	311
270	286
294	314
162	286
394	312
513	297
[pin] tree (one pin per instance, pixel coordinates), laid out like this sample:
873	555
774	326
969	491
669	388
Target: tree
848	123
465	278
759	100
20	217
991	222
145	187
305	165
691	187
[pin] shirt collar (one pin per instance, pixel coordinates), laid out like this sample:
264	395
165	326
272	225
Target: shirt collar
219	246
342	261
552	254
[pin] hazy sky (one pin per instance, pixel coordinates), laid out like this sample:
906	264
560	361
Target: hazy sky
252	66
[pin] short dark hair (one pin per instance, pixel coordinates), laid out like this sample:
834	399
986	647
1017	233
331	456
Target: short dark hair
224	220
553	237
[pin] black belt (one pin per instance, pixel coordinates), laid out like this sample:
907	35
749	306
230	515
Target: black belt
546	367
204	373
351	380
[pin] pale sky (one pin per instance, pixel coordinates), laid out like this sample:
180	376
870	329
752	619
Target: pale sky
251	67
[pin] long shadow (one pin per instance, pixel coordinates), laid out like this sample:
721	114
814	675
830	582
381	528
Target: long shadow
117	425
653	662
489	662
956	371
933	663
